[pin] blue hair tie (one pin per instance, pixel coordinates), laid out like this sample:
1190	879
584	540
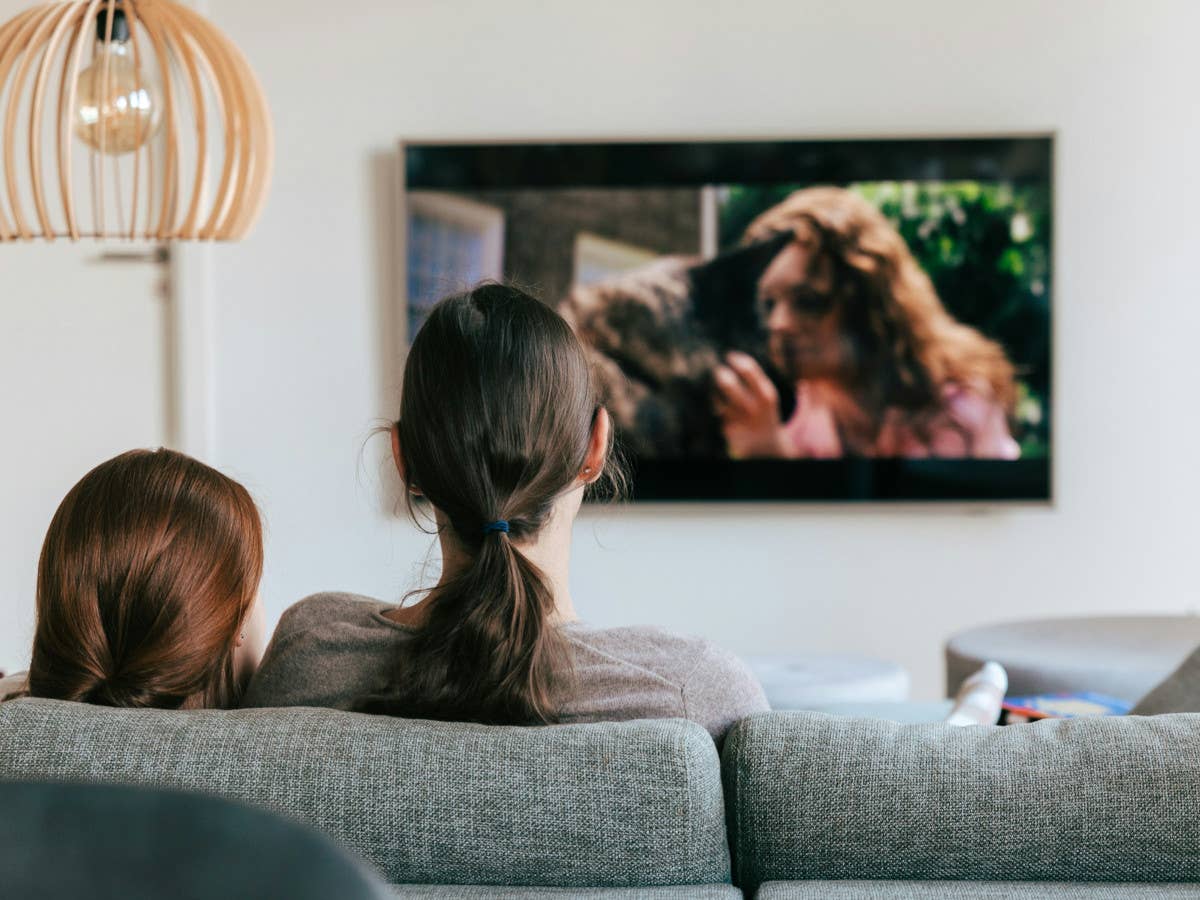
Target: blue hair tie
493	527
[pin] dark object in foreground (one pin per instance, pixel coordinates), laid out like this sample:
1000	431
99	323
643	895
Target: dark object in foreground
73	840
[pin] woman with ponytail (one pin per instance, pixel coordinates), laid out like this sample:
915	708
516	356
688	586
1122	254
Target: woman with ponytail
148	586
499	435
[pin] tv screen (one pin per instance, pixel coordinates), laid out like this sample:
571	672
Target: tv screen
775	320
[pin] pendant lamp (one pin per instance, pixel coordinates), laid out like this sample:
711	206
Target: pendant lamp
128	119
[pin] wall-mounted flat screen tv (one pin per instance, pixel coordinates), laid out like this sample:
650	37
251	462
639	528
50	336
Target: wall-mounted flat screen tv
861	320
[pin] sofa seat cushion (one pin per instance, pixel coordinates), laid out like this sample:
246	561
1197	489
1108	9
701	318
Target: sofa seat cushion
970	890
812	796
607	805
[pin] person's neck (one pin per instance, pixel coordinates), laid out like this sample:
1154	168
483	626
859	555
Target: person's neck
550	551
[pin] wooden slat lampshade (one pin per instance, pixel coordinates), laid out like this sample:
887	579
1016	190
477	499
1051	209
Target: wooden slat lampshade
128	119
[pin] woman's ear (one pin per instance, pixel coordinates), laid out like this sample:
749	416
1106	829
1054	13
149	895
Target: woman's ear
598	446
398	459
394	432
250	643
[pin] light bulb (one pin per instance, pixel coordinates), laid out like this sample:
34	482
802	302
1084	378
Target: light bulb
119	108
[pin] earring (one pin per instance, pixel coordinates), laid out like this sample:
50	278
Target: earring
587	470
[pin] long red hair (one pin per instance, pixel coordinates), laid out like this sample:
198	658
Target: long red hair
148	572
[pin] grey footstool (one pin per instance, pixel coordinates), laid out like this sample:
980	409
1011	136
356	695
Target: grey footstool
1121	656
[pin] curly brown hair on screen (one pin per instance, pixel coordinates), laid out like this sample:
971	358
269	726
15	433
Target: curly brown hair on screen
909	348
149	569
496	418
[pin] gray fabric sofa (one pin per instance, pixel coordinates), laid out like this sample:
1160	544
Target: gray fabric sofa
811	805
607	806
1068	808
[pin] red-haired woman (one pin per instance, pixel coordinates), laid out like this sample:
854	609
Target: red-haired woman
148	586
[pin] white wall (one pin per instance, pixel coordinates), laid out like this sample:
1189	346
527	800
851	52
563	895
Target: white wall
83	376
300	305
304	367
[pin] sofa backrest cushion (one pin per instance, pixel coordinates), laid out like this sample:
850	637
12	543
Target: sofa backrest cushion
811	796
626	804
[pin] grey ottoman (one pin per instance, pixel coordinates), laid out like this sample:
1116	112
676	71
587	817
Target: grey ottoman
1121	656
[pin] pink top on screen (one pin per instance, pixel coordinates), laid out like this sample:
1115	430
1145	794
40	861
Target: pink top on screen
968	426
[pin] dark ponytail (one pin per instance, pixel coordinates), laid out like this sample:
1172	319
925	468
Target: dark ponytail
495	425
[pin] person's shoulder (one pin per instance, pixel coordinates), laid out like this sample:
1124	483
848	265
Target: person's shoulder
716	686
677	657
13	686
640	644
720	666
318	610
721	690
328	650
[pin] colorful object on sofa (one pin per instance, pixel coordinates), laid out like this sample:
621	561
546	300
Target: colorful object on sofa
1063	706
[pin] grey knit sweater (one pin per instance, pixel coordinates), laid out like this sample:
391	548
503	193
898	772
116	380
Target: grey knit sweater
334	650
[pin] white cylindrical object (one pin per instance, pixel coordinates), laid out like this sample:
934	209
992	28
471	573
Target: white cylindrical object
978	701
